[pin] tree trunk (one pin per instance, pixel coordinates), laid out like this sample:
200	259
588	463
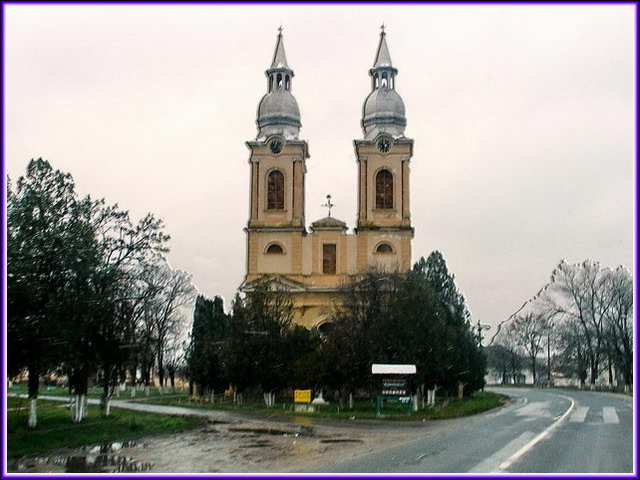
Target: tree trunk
594	372
33	413
350	401
33	385
269	398
105	401
533	369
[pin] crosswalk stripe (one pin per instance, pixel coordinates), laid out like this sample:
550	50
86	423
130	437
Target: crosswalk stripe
579	415
492	463
609	415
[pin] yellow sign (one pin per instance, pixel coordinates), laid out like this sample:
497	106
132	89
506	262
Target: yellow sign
302	396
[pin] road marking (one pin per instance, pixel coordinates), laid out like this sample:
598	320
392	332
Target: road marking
490	464
506	464
609	415
534	409
579	415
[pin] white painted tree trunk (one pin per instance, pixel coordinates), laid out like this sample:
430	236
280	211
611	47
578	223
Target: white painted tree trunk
33	413
269	399
107	407
146	390
79	408
415	403
133	390
431	397
75	409
351	401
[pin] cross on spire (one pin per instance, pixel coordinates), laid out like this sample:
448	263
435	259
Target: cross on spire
382	27
280	30
328	205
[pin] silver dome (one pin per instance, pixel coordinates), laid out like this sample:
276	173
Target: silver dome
278	113
383	112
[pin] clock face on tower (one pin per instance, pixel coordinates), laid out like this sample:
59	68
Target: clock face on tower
384	145
276	146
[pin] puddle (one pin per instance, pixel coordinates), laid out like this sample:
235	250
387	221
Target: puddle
89	459
303	420
341	440
257	444
304	431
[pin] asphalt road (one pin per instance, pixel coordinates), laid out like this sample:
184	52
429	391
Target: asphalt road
541	431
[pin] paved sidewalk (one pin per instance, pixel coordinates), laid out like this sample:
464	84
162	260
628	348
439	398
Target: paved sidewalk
217	415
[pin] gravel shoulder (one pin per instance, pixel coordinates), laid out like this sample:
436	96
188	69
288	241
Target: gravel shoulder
234	443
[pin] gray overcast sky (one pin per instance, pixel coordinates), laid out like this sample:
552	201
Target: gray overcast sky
522	115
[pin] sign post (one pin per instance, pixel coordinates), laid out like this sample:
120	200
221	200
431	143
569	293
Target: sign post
301	400
393	385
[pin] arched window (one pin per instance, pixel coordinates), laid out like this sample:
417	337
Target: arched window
384	189
274	248
275	190
384	248
279	81
287	82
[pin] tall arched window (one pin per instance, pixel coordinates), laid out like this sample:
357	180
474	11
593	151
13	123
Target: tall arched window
275	190
384	189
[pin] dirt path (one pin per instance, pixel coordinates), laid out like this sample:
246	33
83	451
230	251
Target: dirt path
234	443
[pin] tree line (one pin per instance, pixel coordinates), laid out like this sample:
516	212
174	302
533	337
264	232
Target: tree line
418	317
584	317
89	293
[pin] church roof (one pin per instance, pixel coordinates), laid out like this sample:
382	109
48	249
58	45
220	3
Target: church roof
328	223
383	59
279	57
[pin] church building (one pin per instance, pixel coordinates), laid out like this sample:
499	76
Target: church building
314	263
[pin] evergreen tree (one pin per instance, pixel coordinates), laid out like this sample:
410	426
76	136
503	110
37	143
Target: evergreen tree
210	330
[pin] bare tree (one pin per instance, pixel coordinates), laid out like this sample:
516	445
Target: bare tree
619	322
164	313
529	331
580	293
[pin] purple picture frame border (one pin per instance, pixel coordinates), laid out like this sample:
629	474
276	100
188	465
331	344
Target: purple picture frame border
3	458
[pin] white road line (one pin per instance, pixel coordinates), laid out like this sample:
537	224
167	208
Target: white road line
506	464
491	464
609	415
579	415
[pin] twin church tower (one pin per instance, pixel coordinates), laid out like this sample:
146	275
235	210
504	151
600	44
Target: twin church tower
313	265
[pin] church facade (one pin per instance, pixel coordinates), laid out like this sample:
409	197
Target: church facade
314	264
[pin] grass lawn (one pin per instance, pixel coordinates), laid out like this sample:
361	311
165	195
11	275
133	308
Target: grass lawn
94	392
478	402
55	429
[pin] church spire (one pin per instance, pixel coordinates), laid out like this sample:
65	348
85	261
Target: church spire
278	112
383	59
383	110
279	58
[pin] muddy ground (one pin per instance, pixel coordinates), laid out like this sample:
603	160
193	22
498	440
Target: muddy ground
239	446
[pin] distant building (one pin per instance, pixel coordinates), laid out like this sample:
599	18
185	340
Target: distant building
313	264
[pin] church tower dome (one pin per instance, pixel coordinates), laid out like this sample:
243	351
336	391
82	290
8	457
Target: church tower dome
383	110
278	112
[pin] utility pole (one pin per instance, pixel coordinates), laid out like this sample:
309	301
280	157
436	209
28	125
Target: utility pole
480	327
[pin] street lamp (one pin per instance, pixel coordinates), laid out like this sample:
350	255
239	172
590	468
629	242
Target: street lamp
480	327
